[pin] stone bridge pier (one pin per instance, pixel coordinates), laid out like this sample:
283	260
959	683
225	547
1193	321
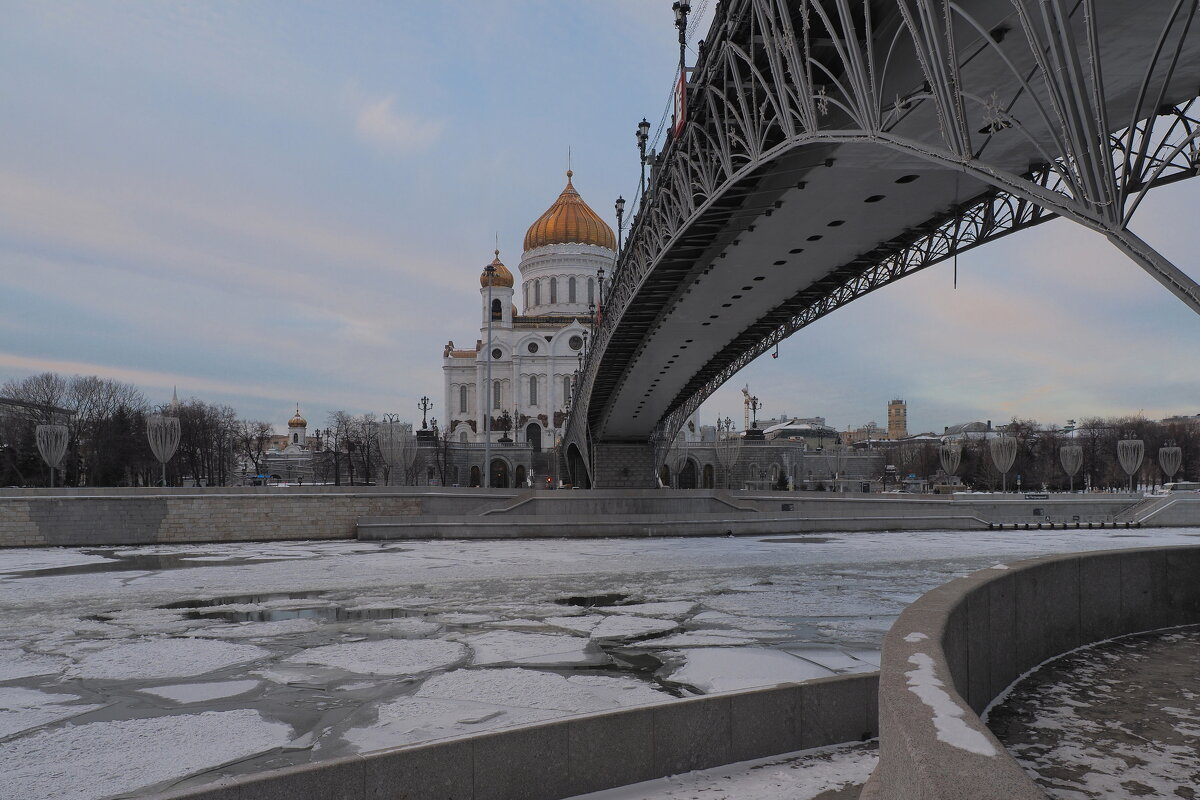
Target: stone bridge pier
623	465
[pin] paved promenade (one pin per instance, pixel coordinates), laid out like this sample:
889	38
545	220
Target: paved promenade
1116	720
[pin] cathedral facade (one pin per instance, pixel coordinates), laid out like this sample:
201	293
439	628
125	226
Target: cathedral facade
535	351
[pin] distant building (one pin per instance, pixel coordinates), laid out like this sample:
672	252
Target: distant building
897	418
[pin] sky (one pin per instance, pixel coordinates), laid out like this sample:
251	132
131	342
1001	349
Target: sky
273	203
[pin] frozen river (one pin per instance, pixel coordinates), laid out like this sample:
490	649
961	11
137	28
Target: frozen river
137	669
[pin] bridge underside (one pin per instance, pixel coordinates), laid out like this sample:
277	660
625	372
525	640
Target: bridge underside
723	262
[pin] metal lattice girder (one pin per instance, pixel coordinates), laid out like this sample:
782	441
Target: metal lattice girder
1048	107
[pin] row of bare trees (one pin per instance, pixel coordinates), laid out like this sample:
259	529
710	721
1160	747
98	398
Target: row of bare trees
1038	461
107	446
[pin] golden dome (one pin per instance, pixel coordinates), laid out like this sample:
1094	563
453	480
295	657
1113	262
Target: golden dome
502	278
297	421
569	221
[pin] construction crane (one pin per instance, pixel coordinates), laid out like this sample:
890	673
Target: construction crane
750	404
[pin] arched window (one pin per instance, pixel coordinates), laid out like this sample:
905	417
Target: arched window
295	438
554	290
566	387
496	394
462	437
497	309
462	399
525	289
533	390
571	290
591	291
537	293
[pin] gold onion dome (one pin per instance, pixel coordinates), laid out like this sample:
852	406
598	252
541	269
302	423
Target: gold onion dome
297	421
502	277
569	221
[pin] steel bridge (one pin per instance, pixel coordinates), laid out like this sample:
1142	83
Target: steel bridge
831	147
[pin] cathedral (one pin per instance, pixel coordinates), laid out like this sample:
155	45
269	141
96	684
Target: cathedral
535	351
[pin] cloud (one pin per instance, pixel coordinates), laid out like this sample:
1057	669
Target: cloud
380	124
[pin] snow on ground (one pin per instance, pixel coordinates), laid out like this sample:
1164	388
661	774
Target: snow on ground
793	776
531	649
163	658
202	692
526	688
727	669
1114	720
99	759
386	656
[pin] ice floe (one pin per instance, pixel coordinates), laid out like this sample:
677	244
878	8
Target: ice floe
202	692
531	649
16	664
99	759
386	656
526	688
622	627
163	658
22	709
726	669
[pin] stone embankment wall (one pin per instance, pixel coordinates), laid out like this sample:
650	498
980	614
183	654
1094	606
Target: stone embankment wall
83	516
960	646
584	754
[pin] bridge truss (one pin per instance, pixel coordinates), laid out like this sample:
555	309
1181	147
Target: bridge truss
1064	127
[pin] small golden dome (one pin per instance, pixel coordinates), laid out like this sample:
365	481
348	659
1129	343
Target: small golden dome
569	221
502	277
297	421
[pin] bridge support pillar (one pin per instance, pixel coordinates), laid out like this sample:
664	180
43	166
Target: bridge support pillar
622	465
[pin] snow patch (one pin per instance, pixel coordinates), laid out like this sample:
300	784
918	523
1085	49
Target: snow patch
947	714
533	649
913	638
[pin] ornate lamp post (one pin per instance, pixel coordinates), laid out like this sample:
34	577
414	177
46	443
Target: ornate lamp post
643	135
488	401
425	404
1130	453
1071	456
52	445
1004	453
620	208
951	457
1170	458
600	293
682	9
163	433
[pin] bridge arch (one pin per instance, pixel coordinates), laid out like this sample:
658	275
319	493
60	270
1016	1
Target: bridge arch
786	132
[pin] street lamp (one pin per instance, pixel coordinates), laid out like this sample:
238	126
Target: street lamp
425	403
487	393
643	135
600	287
620	207
681	9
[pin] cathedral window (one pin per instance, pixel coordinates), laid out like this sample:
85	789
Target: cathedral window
525	288
571	290
537	293
462	399
497	311
496	394
533	390
566	386
591	291
554	290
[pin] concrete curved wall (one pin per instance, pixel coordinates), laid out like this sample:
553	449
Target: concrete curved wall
958	647
582	754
